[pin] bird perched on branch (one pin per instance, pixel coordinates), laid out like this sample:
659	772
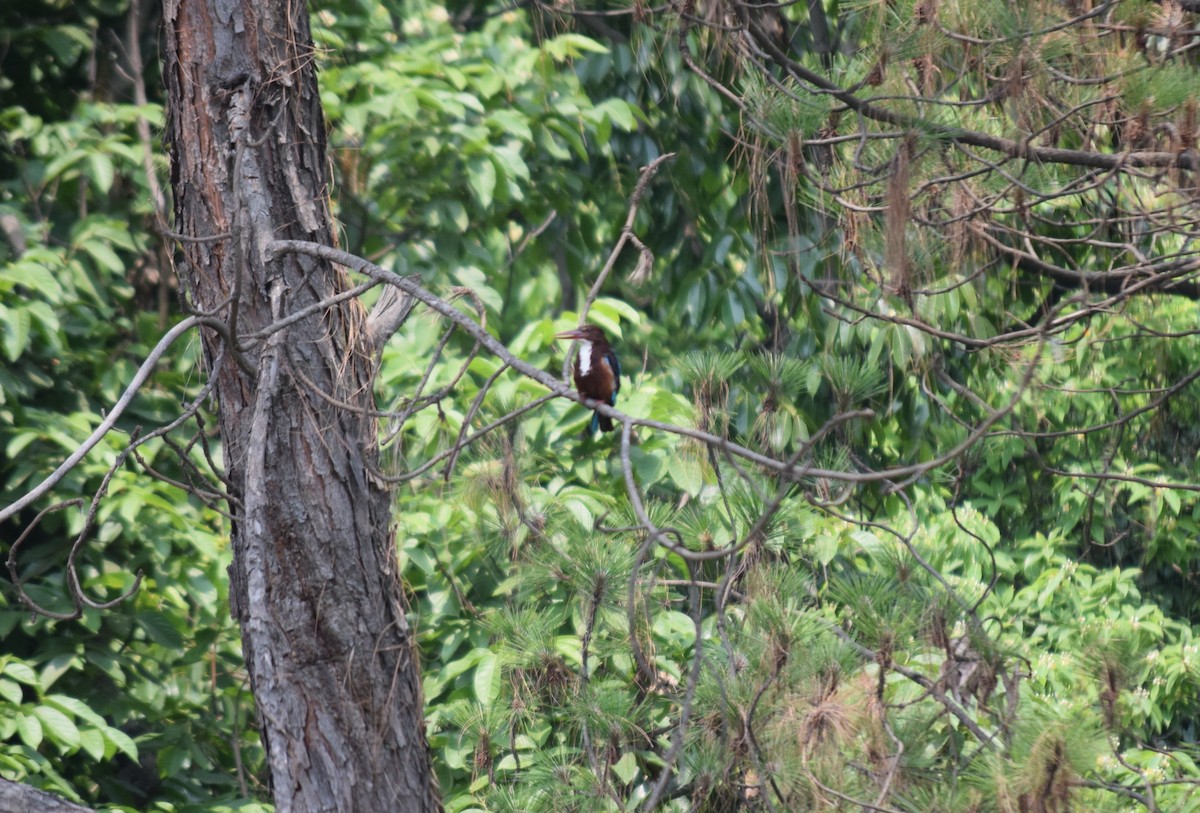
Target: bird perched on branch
597	371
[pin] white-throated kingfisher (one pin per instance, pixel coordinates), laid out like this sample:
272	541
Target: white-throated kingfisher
597	371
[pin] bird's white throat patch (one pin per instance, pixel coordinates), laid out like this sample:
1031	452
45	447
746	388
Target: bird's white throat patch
585	357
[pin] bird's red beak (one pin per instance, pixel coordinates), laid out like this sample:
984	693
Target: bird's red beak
569	334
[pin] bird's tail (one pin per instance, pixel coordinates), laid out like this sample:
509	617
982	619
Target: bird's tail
603	421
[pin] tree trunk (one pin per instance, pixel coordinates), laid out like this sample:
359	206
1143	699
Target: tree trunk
314	585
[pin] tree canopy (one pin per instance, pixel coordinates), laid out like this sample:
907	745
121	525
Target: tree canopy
901	512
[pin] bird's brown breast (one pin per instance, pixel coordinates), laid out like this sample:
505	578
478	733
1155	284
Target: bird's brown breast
598	383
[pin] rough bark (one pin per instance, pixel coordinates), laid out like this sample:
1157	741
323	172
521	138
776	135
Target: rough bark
18	798
313	581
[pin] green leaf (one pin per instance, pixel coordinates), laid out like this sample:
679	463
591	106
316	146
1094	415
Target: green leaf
35	271
511	123
91	741
159	629
22	673
122	742
487	679
825	548
570	134
568	46
11	692
481	176
75	707
103	254
813	380
63	162
616	310
102	171
56	667
16	331
513	166
648	467
626	768
58	726
687	473
29	730
620	112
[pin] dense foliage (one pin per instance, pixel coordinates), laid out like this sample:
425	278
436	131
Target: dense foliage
978	594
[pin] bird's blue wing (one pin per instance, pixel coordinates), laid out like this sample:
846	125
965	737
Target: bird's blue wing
614	364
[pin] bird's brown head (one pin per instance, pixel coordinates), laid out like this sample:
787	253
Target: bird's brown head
587	333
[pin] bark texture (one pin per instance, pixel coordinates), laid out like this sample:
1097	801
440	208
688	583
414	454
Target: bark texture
18	798
313	581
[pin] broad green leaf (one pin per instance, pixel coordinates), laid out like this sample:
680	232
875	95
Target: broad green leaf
511	123
102	171
11	692
481	175
159	629
57	726
648	468
29	730
620	112
687	473
826	548
16	331
22	673
566	46
92	743
104	256
487	679
34	271
121	741
626	768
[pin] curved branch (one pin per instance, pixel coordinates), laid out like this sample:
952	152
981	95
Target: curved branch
110	420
